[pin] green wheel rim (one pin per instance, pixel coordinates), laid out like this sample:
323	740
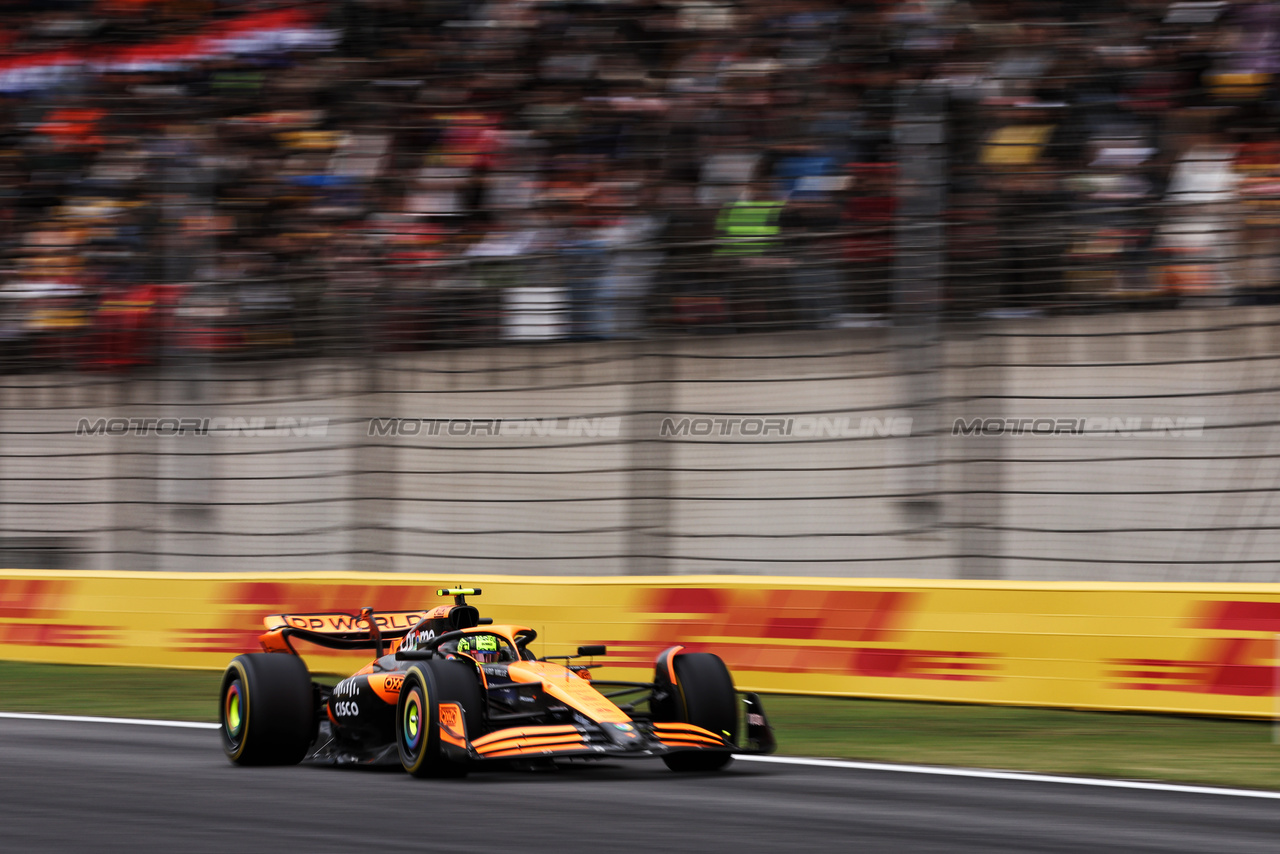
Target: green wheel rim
234	715
412	721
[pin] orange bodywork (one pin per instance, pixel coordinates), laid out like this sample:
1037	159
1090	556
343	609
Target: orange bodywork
686	735
499	748
452	729
386	686
670	655
275	641
527	751
525	732
529	740
440	612
565	685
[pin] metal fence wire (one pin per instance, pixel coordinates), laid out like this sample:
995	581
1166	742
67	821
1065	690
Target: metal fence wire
979	290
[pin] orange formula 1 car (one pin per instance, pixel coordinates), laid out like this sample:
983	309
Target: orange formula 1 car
448	691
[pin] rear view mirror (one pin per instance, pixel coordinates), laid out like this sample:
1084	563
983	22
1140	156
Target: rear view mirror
591	650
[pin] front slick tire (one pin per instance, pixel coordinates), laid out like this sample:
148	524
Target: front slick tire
705	698
266	709
418	715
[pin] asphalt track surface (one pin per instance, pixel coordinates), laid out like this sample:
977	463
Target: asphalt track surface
108	787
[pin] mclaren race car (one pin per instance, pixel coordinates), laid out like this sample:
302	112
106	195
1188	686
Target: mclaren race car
448	690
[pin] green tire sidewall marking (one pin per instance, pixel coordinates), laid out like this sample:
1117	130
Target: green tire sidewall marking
233	708
244	714
412	718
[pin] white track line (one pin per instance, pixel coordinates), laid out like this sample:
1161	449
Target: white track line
1013	775
84	719
931	770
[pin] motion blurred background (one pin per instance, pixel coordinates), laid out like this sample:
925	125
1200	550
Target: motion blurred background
659	287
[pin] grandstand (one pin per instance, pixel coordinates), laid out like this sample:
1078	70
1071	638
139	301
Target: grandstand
883	222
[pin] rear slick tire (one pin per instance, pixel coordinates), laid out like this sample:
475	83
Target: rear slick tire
266	709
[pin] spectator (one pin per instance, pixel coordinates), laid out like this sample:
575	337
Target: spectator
441	132
810	222
751	255
1200	234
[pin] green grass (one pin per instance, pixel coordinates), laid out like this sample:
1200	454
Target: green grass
118	692
1216	751
1153	747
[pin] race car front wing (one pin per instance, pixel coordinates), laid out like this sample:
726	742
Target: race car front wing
638	739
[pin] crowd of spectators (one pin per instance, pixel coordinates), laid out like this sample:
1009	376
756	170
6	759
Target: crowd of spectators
268	174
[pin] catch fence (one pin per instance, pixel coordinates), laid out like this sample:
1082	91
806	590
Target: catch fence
635	288
1126	446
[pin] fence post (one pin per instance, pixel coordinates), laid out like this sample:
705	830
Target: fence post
649	479
979	357
920	145
135	504
373	481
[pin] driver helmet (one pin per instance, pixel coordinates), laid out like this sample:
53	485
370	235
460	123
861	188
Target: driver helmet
483	648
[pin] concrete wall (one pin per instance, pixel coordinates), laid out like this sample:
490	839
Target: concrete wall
1147	506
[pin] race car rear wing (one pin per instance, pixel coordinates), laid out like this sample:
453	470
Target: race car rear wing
366	630
338	630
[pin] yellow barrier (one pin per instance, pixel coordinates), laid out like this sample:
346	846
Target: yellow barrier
1195	648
